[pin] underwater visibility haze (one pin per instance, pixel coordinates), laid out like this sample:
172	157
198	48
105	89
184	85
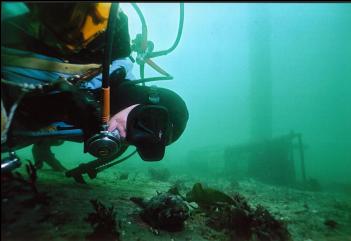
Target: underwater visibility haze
266	151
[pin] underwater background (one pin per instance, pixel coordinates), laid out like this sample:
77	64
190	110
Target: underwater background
248	72
300	51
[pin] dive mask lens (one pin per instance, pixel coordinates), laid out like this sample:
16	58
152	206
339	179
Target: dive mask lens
148	128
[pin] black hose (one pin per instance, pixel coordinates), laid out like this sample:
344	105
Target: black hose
101	168
158	53
143	34
112	19
144	80
179	34
143	22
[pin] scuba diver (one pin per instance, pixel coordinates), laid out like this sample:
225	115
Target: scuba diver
58	50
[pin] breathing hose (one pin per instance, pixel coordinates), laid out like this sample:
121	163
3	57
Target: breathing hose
105	143
179	34
107	61
103	167
143	35
143	48
143	26
146	80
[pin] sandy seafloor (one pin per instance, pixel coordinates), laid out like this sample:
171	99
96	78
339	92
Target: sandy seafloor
304	211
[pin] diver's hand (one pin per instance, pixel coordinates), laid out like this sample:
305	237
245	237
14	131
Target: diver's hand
119	121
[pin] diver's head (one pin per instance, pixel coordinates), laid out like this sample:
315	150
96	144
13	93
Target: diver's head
66	20
151	124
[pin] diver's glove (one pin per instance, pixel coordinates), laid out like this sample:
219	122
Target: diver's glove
149	129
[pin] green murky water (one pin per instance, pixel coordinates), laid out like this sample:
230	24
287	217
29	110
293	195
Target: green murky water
249	73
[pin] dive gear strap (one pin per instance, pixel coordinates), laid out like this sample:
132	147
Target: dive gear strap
46	65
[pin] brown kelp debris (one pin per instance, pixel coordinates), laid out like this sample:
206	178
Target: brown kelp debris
330	223
266	227
104	223
166	211
124	176
236	217
13	184
159	174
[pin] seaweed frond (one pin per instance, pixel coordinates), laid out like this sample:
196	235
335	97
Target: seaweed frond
104	223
